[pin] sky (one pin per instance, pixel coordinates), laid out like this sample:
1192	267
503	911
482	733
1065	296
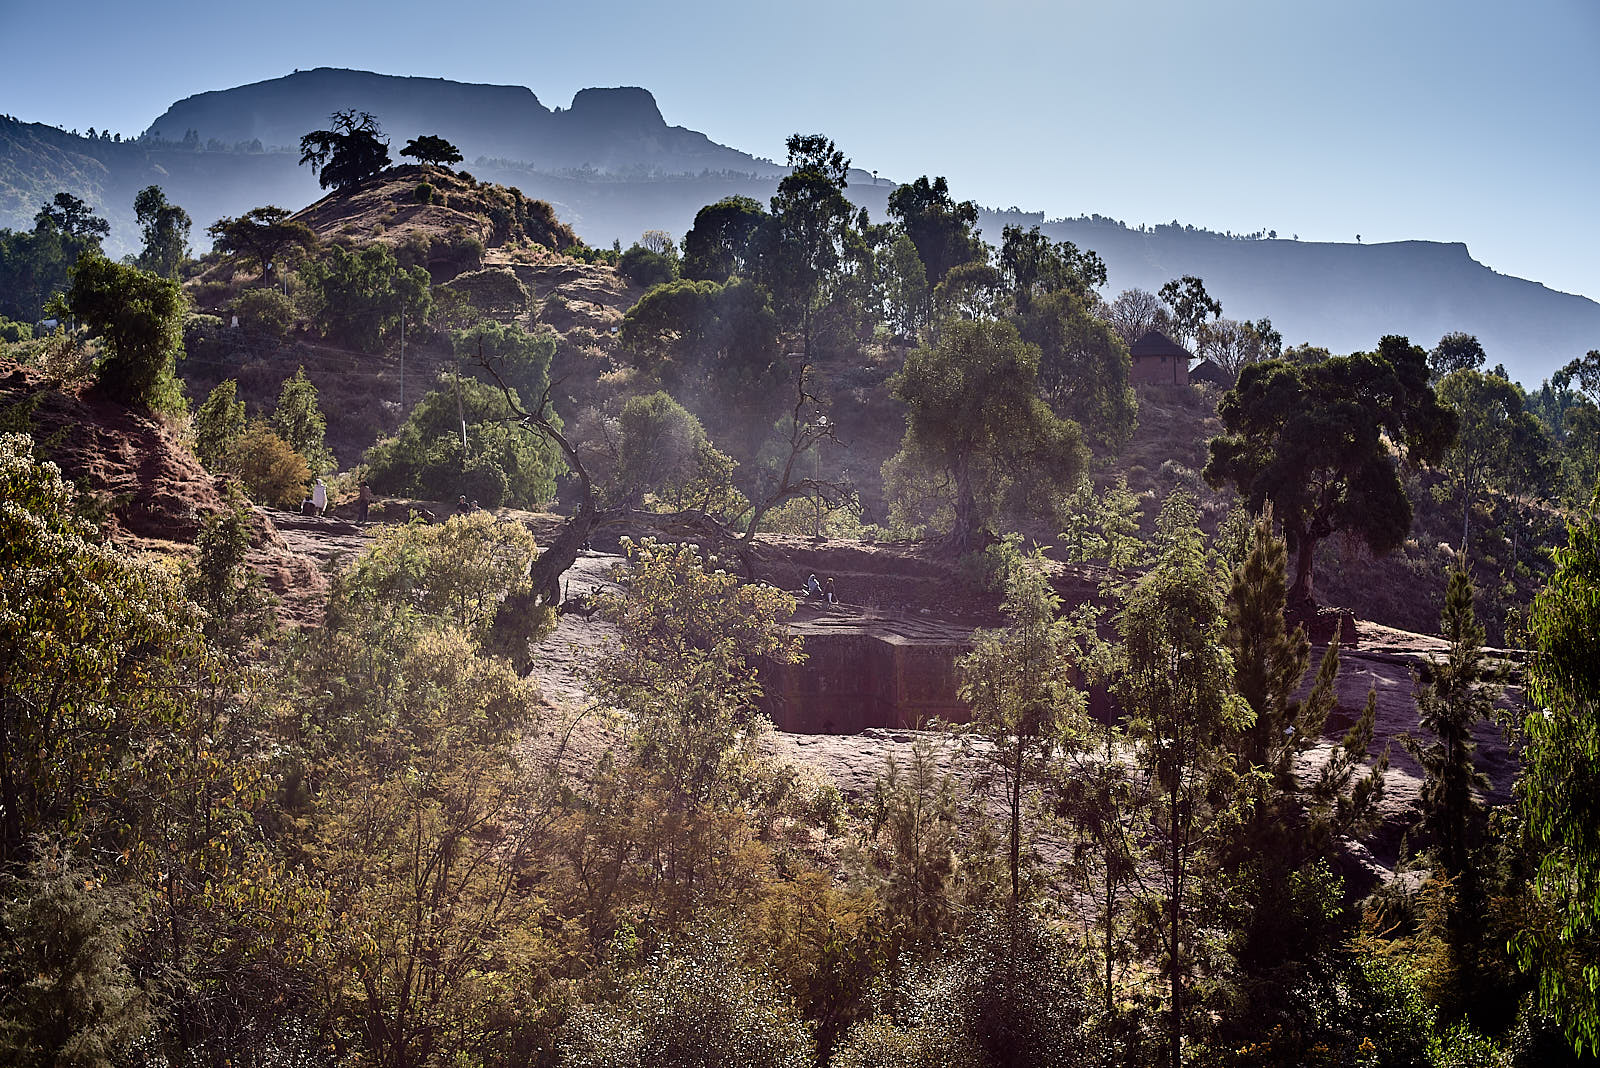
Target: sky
1447	120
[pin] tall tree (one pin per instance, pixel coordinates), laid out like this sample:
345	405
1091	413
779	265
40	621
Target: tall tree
139	317
166	233
345	156
1033	265
299	421
72	217
1191	305
430	148
1491	424
810	222
1019	684
943	229
1454	694
719	244
1560	783
974	415
1311	439
1136	312
1173	680
262	236
1455	352
1084	368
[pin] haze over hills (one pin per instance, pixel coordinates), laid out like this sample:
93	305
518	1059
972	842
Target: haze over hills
612	168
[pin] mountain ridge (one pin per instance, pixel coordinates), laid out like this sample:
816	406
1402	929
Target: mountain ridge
612	167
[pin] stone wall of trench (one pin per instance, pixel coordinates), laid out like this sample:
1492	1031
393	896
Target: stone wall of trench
852	681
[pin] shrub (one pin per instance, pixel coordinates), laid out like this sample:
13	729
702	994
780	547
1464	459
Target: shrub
12	332
423	193
272	472
493	289
645	268
266	310
701	1008
140	318
218	423
506	465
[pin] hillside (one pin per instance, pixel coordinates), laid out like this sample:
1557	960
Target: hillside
612	167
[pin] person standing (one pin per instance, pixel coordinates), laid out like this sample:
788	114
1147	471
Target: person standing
831	598
363	502
319	497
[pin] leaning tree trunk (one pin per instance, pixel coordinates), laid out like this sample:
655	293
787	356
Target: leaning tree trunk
1305	556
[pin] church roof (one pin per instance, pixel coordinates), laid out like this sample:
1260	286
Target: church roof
1155	343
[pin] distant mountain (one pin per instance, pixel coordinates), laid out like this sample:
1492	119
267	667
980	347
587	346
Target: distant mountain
612	168
614	131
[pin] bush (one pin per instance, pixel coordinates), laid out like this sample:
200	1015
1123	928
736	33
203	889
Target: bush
266	310
12	332
423	193
272	472
140	319
701	1008
645	268
507	464
218	423
493	289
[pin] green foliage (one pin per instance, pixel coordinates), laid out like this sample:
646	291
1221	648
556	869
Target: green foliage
504	463
521	360
654	453
430	148
906	282
266	310
1453	694
1102	526
348	154
689	635
974	416
1033	266
1310	439
1019	683
1006	993
494	290
261	236
943	231
1173	679
70	997
299	421
458	572
218	423
423	193
139	318
97	655
1084	367
1560	784
1497	443
722	241
166	233
694	1006
11	332
72	217
1455	352
724	334
36	265
358	298
271	470
1190	304
645	268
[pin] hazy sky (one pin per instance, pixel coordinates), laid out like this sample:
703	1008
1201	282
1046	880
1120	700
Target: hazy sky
1460	120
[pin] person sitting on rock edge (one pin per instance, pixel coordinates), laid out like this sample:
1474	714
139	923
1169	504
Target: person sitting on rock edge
813	587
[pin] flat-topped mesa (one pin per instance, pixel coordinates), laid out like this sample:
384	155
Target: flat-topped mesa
621	107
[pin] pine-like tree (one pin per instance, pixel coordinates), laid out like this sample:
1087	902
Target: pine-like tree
1453	694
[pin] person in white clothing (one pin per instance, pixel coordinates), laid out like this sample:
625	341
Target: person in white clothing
319	497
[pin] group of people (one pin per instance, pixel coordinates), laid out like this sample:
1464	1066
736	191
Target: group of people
317	502
815	591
